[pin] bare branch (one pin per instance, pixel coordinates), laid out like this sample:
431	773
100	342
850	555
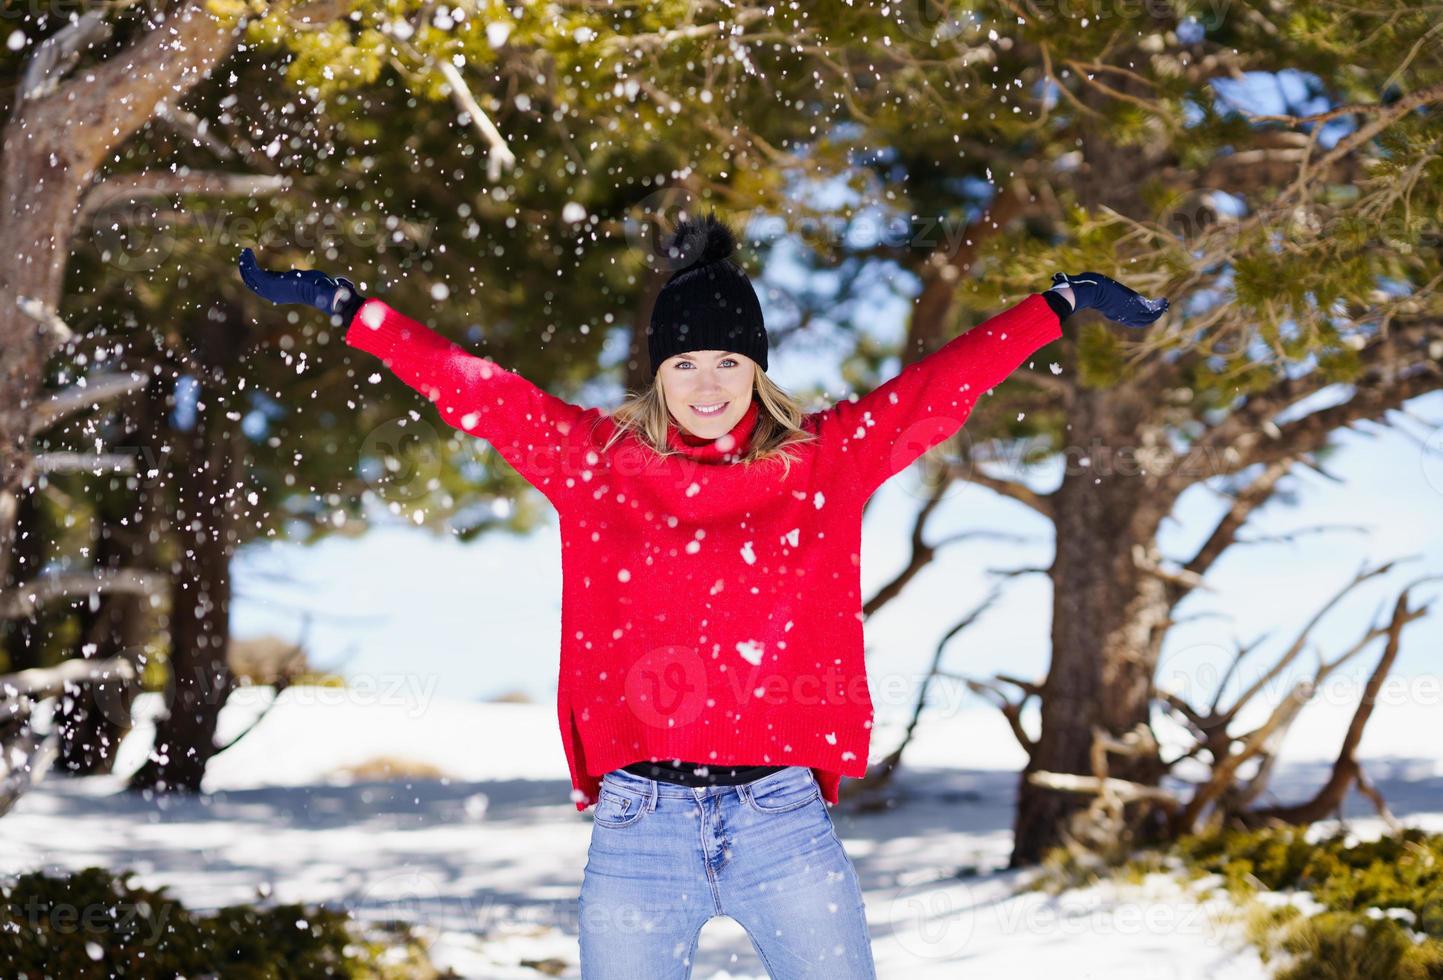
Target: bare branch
1296	647
499	157
59	53
921	555
1345	768
47	318
291	667
1040	502
1243	651
1011	710
130	188
1249	499
1121	788
878	775
1371	792
646	43
1221	782
187	123
118	96
1248	435
37	683
1288	537
1181	581
68	462
86	393
21	601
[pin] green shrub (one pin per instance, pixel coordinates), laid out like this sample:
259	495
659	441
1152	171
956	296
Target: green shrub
1352	946
1397	871
1382	899
94	924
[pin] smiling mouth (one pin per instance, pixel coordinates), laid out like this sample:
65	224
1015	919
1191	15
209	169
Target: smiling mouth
709	411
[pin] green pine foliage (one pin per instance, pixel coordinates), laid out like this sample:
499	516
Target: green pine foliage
1343	946
93	924
1374	908
1382	916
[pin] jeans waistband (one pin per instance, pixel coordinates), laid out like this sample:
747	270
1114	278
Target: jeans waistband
659	787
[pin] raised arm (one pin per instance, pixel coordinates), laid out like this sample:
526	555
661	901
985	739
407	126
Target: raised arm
531	428
879	434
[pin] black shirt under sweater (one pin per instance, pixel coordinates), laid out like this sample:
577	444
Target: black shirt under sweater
686	774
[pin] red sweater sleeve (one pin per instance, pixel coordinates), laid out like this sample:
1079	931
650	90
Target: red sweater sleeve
529	427
884	431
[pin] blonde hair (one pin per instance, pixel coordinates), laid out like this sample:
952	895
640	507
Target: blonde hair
779	418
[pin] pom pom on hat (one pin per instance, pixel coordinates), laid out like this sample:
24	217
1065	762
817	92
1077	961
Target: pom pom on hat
699	241
707	303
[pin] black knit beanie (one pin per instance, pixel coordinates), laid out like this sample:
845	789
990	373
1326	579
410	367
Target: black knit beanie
708	303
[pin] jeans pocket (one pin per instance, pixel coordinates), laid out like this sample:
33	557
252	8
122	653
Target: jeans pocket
616	809
780	792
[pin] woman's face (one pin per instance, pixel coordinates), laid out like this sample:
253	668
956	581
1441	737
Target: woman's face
707	379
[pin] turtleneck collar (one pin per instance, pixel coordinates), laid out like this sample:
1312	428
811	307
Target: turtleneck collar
708	450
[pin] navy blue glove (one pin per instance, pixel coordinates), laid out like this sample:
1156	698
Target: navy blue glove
308	286
1093	290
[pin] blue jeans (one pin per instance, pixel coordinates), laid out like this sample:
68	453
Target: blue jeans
666	858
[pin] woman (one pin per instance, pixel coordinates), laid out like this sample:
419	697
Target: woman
712	690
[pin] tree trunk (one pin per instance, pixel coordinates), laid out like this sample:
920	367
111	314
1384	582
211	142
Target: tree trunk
39	191
1108	619
207	483
93	723
53	146
25	638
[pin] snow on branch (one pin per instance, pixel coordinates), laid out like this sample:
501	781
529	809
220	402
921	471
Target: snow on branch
21	601
60	52
85	394
69	462
159	183
499	156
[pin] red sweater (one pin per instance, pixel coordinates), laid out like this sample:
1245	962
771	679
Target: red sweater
712	611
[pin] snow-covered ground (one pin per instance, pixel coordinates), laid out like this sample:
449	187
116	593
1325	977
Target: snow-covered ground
489	860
